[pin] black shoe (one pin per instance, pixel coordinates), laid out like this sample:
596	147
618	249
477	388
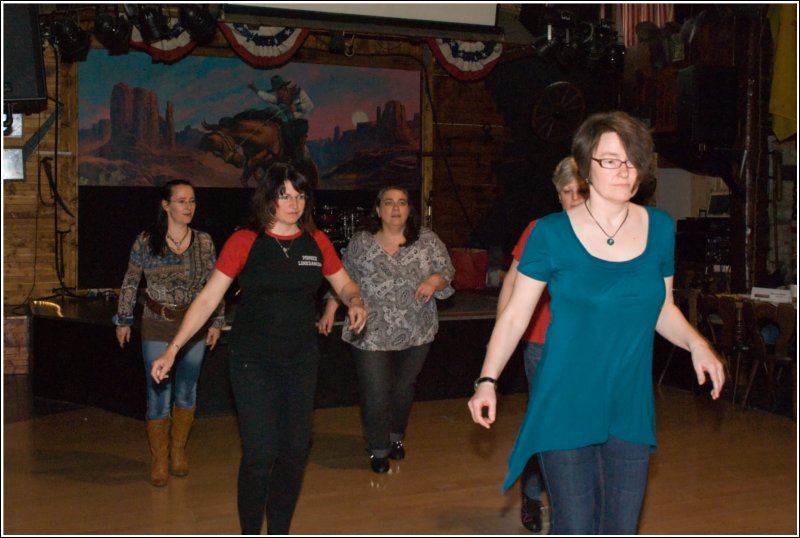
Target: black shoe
531	513
379	465
397	452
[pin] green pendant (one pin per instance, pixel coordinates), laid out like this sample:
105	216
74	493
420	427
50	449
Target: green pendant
610	241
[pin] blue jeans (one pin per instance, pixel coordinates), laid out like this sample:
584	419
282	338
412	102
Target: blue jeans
386	381
596	489
184	376
531	478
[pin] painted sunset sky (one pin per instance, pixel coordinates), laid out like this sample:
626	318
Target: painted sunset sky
206	88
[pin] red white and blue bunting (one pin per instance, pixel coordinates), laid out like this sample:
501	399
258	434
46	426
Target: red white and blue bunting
466	60
171	49
267	46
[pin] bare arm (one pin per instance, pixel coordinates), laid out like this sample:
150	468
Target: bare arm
673	326
508	285
201	309
350	295
511	323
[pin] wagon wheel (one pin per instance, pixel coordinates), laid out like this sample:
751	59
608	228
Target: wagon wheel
558	111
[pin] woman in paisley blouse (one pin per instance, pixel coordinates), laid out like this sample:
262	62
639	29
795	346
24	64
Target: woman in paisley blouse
399	268
175	260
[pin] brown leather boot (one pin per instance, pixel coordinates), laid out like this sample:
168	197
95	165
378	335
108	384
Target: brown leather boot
158	436
182	418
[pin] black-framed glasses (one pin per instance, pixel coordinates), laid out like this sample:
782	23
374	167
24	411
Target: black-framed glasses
613	164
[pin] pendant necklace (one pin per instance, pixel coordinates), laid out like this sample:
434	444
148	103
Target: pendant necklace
284	249
610	240
178	243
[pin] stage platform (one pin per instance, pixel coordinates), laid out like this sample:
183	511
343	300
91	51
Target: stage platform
76	358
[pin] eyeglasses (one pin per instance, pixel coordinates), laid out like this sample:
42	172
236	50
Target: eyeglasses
286	197
613	164
184	202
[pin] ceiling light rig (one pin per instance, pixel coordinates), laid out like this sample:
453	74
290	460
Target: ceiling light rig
70	40
152	23
200	21
570	42
114	32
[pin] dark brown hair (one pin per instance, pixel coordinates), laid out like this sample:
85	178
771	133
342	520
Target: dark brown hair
411	230
633	134
265	199
156	235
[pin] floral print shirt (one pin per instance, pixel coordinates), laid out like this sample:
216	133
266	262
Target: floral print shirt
396	320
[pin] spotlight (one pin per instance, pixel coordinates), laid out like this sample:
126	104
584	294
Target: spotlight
113	32
199	22
152	23
70	40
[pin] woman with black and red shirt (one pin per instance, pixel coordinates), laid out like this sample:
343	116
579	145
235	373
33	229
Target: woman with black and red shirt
280	259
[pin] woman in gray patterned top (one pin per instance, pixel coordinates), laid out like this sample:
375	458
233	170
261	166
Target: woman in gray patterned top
399	268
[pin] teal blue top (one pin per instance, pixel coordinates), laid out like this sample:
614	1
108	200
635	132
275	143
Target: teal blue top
595	376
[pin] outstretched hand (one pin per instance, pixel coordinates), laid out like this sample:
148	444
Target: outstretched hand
706	362
159	371
484	398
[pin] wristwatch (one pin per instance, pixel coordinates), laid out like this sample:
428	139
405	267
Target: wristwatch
480	380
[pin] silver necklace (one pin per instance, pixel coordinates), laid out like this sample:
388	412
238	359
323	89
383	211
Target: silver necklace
284	249
610	240
178	243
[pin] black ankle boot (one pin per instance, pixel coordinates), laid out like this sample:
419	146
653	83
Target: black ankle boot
379	465
397	452
531	513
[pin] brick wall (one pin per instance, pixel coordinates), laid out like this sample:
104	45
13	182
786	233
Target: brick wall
16	340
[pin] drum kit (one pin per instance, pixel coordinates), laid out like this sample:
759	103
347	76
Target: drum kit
339	224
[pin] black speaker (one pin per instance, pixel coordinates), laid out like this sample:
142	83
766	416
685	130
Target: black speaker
707	104
23	63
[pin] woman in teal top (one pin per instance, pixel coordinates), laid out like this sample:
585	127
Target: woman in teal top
608	265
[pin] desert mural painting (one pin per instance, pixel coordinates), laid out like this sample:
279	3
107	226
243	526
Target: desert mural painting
143	123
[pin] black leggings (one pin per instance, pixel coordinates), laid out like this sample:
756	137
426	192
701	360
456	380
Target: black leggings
275	404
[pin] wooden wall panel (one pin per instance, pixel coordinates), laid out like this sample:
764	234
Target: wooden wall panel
29	234
468	134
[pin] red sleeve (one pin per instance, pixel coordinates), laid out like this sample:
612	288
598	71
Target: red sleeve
520	246
235	251
330	259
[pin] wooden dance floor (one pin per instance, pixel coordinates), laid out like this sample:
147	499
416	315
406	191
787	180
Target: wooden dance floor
718	470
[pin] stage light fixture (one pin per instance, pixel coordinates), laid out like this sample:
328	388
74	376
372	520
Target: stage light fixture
71	41
114	32
152	23
199	22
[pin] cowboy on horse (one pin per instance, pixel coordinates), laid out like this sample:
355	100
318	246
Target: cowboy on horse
291	105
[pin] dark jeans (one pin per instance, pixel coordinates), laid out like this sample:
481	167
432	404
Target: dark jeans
596	489
531	477
275	404
386	381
